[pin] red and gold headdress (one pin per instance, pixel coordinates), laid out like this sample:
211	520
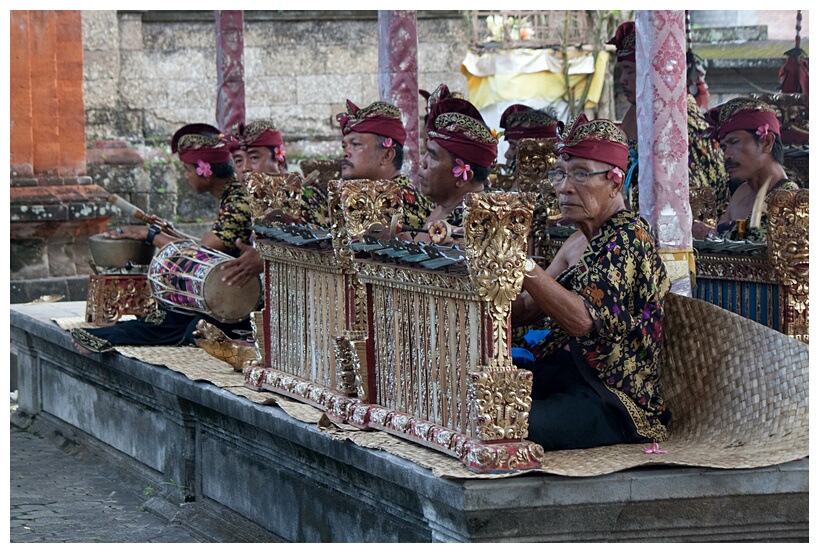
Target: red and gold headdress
599	140
625	41
200	142
378	118
457	126
743	114
519	121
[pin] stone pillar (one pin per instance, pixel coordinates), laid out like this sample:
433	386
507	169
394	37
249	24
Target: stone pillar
230	79
662	125
54	205
398	76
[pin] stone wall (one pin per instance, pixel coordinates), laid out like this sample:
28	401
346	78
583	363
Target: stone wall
148	73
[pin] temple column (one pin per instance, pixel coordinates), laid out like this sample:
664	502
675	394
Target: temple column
398	75
230	71
662	124
54	204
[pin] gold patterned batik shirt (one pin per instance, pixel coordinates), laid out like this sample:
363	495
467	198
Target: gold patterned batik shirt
315	205
233	220
622	280
416	206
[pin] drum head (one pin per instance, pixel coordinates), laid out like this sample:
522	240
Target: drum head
231	304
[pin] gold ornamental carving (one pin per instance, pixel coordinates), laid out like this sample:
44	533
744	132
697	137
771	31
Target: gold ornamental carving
351	379
703	201
110	297
501	400
791	110
534	159
274	197
360	207
788	250
368	206
496	229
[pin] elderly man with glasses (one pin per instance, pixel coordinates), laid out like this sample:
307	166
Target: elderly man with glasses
596	379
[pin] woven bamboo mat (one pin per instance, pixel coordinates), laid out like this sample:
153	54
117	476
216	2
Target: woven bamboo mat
738	393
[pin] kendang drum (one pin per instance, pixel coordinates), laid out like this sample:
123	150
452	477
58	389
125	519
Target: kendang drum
184	277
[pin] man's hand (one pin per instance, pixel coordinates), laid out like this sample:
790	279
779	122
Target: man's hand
134	232
245	267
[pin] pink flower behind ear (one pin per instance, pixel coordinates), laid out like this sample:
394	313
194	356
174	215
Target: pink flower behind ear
461	170
279	152
763	130
387	143
203	169
616	175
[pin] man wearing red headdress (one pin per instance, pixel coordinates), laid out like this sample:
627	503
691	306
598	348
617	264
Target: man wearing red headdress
519	121
749	135
208	168
460	150
705	167
373	148
596	379
238	153
265	148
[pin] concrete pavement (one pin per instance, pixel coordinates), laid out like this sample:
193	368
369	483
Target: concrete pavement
62	493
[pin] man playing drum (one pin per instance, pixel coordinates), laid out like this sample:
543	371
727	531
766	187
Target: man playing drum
209	169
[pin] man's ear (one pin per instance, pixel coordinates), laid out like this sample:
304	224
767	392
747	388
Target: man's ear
388	156
768	142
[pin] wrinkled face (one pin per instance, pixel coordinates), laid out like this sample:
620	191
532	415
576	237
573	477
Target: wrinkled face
587	202
435	178
240	164
262	160
628	80
743	155
510	152
359	156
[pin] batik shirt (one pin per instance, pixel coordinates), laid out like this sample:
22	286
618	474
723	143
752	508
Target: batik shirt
623	281
705	161
416	206
233	220
315	205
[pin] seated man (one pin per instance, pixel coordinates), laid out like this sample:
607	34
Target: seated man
596	379
208	167
238	153
373	149
705	168
518	122
265	148
460	149
748	133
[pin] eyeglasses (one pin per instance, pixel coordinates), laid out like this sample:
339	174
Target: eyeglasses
578	177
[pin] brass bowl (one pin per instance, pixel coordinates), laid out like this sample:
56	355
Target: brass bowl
116	254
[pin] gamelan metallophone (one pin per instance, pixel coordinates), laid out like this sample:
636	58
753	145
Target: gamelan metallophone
420	340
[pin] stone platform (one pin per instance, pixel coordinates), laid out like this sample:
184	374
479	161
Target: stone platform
253	466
